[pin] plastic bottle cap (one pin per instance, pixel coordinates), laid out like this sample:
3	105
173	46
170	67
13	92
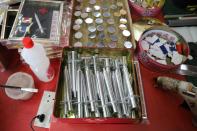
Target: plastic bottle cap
27	42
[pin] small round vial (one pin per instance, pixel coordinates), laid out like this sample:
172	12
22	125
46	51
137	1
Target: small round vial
126	33
128	44
89	20
78	35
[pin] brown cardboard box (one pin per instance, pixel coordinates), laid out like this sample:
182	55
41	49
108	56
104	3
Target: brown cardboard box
3	62
9	58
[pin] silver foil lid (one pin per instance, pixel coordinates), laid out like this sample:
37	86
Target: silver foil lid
78	35
114	38
78	21
84	15
92	2
89	20
101	35
99	21
112	45
106	14
89	44
111	21
78	44
97	14
92	35
128	44
126	33
78	7
123	21
91	28
105	7
122	27
88	9
97	7
113	7
76	27
100	44
100	27
77	13
111	29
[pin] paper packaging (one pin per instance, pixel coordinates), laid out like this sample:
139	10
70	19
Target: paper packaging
3	62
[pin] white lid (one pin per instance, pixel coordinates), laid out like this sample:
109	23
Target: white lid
19	79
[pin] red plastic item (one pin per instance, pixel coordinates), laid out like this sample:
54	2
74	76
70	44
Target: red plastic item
27	42
146	12
179	48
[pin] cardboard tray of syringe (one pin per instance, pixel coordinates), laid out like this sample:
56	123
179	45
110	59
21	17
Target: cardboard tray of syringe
99	86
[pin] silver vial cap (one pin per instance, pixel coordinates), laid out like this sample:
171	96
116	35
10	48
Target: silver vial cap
76	27
114	38
128	44
113	7
105	7
78	35
99	21
101	35
78	21
89	44
77	13
92	35
112	45
100	28
122	27
91	28
89	20
111	29
97	7
123	21
78	7
126	33
106	14
84	15
100	44
110	21
88	9
78	44
92	2
97	14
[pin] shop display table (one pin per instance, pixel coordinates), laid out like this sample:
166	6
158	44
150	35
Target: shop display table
163	107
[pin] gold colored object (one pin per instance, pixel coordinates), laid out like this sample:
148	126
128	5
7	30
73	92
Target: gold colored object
123	12
119	4
143	24
154	3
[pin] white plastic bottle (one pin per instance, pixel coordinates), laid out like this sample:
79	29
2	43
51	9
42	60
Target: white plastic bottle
35	55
